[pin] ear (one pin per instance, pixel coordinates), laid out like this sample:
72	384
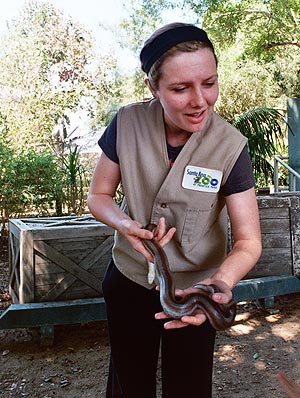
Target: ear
148	84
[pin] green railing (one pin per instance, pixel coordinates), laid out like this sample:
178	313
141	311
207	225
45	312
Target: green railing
293	175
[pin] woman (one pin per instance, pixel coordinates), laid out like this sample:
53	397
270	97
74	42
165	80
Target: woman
289	386
181	166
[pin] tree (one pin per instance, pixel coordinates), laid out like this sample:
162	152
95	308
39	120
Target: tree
265	31
44	61
47	71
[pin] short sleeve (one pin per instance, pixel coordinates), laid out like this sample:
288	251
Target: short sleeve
241	177
108	141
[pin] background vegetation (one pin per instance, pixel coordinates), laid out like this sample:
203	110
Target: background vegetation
49	71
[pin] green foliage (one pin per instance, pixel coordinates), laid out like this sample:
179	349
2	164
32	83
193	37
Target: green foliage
44	61
30	181
266	31
119	90
245	86
145	17
264	129
47	71
74	180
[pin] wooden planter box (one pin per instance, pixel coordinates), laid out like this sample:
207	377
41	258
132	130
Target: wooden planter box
57	259
280	228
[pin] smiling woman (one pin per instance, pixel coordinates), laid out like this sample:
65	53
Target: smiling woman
149	147
187	95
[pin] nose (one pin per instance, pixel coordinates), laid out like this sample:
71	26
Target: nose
197	98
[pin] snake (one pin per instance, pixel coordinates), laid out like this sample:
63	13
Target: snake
220	316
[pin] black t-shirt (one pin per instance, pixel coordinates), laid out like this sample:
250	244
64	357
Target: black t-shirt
240	178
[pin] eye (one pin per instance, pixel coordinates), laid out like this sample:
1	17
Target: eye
210	84
179	89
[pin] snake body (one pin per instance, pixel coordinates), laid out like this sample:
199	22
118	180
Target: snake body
221	316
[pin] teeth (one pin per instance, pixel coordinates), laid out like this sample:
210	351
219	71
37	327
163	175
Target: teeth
196	114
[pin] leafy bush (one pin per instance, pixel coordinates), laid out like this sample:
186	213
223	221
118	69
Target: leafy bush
30	181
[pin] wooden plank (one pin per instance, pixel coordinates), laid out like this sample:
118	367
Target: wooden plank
87	263
275	226
67	264
270	255
49	279
45	267
71	237
268	201
53	313
276	240
13	295
14	228
77	290
26	288
72	232
273	212
271	286
295	235
74	251
14	264
276	269
52	279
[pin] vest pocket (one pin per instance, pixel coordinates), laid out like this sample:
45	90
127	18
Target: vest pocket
195	224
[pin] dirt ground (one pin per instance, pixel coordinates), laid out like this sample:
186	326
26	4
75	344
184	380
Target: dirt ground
247	357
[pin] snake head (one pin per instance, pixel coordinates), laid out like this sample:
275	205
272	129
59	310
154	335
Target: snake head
207	290
150	227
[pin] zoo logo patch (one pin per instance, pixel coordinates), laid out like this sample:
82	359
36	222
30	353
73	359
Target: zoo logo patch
201	179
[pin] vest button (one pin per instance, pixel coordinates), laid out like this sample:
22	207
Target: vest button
163	205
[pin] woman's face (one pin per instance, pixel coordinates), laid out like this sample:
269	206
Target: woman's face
188	90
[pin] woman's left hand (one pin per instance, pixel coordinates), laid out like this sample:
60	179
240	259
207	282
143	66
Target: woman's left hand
222	297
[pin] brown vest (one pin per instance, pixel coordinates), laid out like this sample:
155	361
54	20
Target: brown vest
153	190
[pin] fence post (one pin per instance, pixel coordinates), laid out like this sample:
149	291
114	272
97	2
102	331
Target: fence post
293	111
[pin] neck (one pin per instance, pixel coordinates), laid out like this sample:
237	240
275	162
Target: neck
176	138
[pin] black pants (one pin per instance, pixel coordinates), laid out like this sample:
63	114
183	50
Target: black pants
136	337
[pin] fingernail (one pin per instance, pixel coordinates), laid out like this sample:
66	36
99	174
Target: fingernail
217	297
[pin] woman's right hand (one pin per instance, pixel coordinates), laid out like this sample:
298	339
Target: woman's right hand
135	233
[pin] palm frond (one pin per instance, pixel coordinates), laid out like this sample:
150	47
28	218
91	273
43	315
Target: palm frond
265	130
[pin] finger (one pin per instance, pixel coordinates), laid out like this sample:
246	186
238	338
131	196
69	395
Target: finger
160	229
167	237
185	292
161	315
195	320
175	324
221	298
181	292
143	233
161	235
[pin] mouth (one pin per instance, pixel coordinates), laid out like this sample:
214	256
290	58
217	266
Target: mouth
196	116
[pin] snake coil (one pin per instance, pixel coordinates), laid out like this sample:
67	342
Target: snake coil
220	316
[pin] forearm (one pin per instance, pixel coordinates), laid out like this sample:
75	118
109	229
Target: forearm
239	261
104	209
244	217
